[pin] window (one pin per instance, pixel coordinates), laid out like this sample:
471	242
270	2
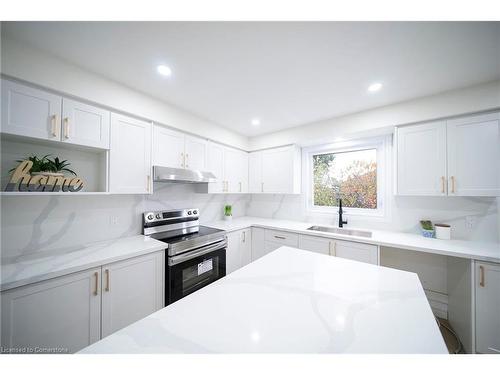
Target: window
353	171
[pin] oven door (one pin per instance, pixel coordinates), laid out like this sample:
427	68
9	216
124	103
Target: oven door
190	271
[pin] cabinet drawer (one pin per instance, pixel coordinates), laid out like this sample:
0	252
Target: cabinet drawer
357	251
282	238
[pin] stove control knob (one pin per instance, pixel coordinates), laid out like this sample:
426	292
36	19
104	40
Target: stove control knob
195	212
150	217
158	216
189	212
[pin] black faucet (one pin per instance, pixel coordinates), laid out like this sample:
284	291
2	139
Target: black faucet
341	222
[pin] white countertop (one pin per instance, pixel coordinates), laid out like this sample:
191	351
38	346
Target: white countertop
291	301
49	264
485	251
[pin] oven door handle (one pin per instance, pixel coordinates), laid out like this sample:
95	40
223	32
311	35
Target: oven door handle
172	261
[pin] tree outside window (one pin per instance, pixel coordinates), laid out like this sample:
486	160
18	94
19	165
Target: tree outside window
350	175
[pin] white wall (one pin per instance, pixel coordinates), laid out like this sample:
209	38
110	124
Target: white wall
382	120
29	64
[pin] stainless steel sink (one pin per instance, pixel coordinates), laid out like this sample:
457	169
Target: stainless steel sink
347	232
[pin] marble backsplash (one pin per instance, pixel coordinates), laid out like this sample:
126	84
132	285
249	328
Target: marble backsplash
38	223
402	214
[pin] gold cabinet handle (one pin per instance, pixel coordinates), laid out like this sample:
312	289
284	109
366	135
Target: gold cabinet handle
280	237
330	248
107	280
186	162
96	289
481	276
240	187
452	184
66	127
335	249
148	182
244	236
53	123
442	184
262	187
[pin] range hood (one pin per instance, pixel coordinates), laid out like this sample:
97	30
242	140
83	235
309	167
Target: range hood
168	174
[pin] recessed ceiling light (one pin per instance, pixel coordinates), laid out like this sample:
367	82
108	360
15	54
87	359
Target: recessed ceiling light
164	70
255	122
375	87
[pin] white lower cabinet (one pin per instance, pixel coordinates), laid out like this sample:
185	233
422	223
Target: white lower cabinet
64	313
131	290
319	245
258	243
487	287
73	311
239	249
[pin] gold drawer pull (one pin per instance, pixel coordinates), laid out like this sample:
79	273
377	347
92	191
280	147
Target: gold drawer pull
107	280
481	276
453	184
442	184
53	122
96	289
66	128
280	237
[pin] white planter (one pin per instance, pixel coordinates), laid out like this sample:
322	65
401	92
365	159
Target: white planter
443	231
228	218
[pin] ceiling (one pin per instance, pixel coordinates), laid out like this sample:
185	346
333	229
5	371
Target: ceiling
285	73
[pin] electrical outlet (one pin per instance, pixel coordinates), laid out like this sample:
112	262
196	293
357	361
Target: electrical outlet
470	222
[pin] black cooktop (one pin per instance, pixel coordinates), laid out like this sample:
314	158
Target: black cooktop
171	238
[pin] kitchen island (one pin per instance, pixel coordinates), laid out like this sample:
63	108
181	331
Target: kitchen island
291	301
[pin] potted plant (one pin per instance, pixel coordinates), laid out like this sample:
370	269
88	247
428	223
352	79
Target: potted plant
228	212
427	228
47	167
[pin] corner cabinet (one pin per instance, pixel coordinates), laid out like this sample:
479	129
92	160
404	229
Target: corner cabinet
130	155
239	249
73	311
230	167
457	157
275	171
487	305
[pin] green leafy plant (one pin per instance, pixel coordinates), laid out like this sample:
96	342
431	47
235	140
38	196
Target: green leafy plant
228	210
426	224
44	164
58	166
39	164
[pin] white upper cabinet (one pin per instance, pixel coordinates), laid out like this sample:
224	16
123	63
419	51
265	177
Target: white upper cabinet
168	147
459	157
85	125
195	150
421	162
474	155
178	150
30	112
487	285
131	290
275	171
215	164
130	155
35	113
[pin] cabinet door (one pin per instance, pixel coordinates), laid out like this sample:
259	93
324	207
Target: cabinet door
487	307
131	290
60	313
85	125
233	253
246	246
255	172
356	251
278	170
196	153
258	243
231	170
168	147
130	155
316	244
421	159
215	164
30	112
474	156
242	172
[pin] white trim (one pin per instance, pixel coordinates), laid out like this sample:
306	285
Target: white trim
381	144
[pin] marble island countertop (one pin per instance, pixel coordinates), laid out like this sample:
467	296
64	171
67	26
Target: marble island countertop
291	301
485	251
49	264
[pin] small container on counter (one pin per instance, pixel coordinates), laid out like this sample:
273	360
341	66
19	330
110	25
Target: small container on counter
443	231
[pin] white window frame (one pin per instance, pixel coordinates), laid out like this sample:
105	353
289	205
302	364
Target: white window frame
381	144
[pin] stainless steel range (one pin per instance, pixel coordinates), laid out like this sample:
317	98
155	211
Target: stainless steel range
196	255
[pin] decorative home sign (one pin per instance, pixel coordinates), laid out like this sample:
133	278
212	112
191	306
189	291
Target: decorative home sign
22	180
